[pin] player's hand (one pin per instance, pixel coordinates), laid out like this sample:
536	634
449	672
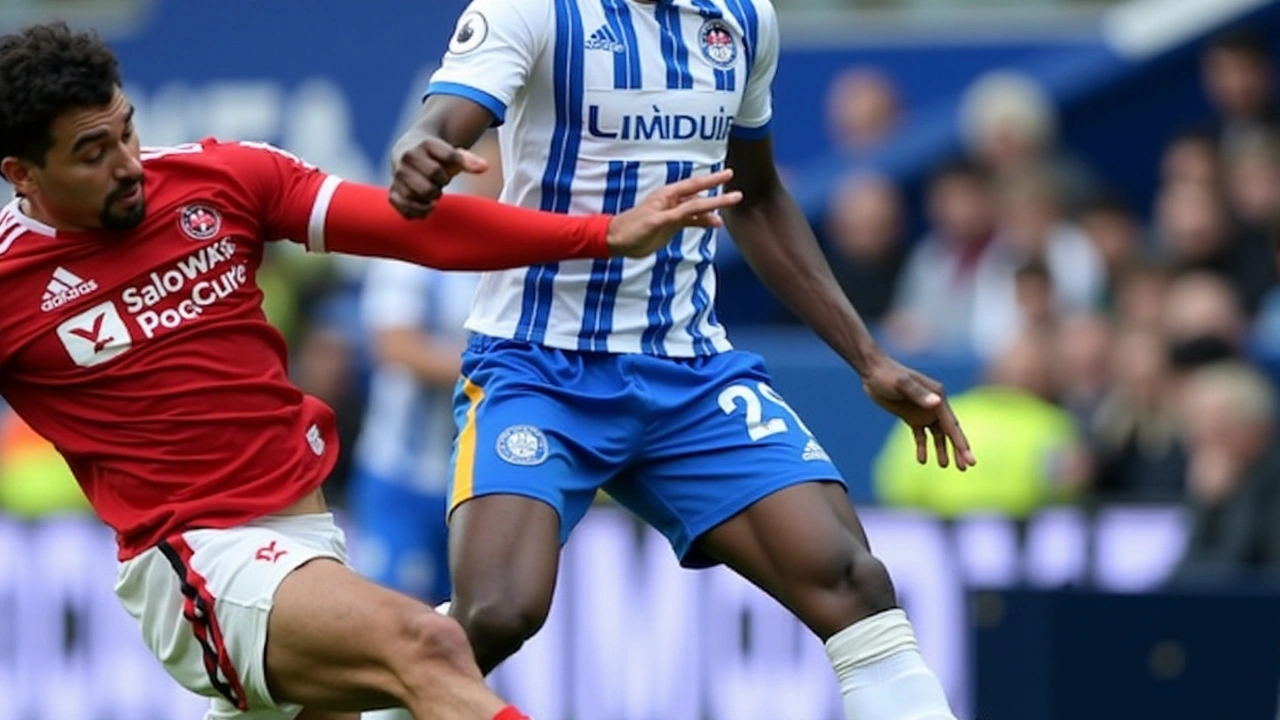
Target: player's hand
921	403
421	169
650	225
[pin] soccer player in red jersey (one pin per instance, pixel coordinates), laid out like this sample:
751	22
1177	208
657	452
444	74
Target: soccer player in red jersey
134	340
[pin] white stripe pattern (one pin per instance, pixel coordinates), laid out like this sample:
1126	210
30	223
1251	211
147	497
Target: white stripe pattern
320	212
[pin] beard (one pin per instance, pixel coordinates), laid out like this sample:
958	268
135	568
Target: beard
128	218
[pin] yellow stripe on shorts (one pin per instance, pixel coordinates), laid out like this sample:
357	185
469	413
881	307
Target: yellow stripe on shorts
464	468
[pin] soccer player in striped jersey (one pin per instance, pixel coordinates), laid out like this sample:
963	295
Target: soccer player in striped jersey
616	374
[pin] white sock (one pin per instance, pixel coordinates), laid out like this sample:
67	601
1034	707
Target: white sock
882	674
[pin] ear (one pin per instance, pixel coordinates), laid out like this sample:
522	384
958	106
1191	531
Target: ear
20	174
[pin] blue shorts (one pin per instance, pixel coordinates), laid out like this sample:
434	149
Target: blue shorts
683	443
402	541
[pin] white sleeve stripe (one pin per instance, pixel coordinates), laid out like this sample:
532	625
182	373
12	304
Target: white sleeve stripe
319	212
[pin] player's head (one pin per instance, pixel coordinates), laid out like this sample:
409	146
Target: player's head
67	142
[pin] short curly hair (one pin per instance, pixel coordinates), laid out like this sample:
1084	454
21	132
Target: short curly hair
46	70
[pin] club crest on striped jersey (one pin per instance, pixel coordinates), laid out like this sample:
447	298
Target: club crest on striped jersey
200	222
718	45
522	445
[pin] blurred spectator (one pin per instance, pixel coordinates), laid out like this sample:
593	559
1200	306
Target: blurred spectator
863	111
1010	124
1134	430
1035	296
1117	238
1196	233
956	292
1037	461
1253	183
1033	224
1238	80
866	244
1140	296
1233	476
1191	157
1203	321
1083	345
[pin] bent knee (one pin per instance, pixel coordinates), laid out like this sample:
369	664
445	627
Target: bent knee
853	575
502	623
427	637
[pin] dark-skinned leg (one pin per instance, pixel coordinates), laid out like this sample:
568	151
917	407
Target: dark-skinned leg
504	552
804	546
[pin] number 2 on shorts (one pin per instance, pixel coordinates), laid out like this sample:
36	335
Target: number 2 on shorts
759	428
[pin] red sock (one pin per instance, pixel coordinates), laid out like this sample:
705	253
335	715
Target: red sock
510	712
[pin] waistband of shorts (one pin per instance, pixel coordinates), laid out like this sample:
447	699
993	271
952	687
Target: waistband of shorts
305	521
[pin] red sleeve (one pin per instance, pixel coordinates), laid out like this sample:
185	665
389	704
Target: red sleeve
461	233
299	202
283	189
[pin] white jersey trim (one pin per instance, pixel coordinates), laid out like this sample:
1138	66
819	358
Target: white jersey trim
320	212
155	153
14	210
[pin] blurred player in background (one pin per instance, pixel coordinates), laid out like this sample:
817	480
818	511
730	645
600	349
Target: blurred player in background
134	340
616	374
414	317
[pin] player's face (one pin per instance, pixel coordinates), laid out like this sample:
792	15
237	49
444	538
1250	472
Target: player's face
92	176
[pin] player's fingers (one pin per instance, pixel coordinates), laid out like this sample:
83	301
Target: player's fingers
704	220
417	196
698	205
453	160
951	429
470	162
929	382
922	444
419	178
439	179
940	445
438	150
429	169
410	209
698	184
915	391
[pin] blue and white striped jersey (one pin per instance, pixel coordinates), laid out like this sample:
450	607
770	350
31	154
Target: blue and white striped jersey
602	102
408	428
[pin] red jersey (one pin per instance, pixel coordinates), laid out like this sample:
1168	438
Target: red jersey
145	358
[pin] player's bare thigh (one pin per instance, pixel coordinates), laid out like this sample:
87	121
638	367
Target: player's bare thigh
339	642
805	546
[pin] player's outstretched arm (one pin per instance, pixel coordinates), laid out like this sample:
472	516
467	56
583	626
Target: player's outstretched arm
469	233
776	240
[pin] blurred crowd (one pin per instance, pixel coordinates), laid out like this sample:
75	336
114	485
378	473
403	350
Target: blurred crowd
1123	348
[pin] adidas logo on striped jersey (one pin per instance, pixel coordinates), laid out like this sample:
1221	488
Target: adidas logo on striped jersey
604	39
64	287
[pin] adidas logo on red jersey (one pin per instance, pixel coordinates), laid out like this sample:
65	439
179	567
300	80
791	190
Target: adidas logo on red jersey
64	287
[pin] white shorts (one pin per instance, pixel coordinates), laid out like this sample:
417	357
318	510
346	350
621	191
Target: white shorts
203	598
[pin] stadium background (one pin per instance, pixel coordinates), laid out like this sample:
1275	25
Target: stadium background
1088	574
